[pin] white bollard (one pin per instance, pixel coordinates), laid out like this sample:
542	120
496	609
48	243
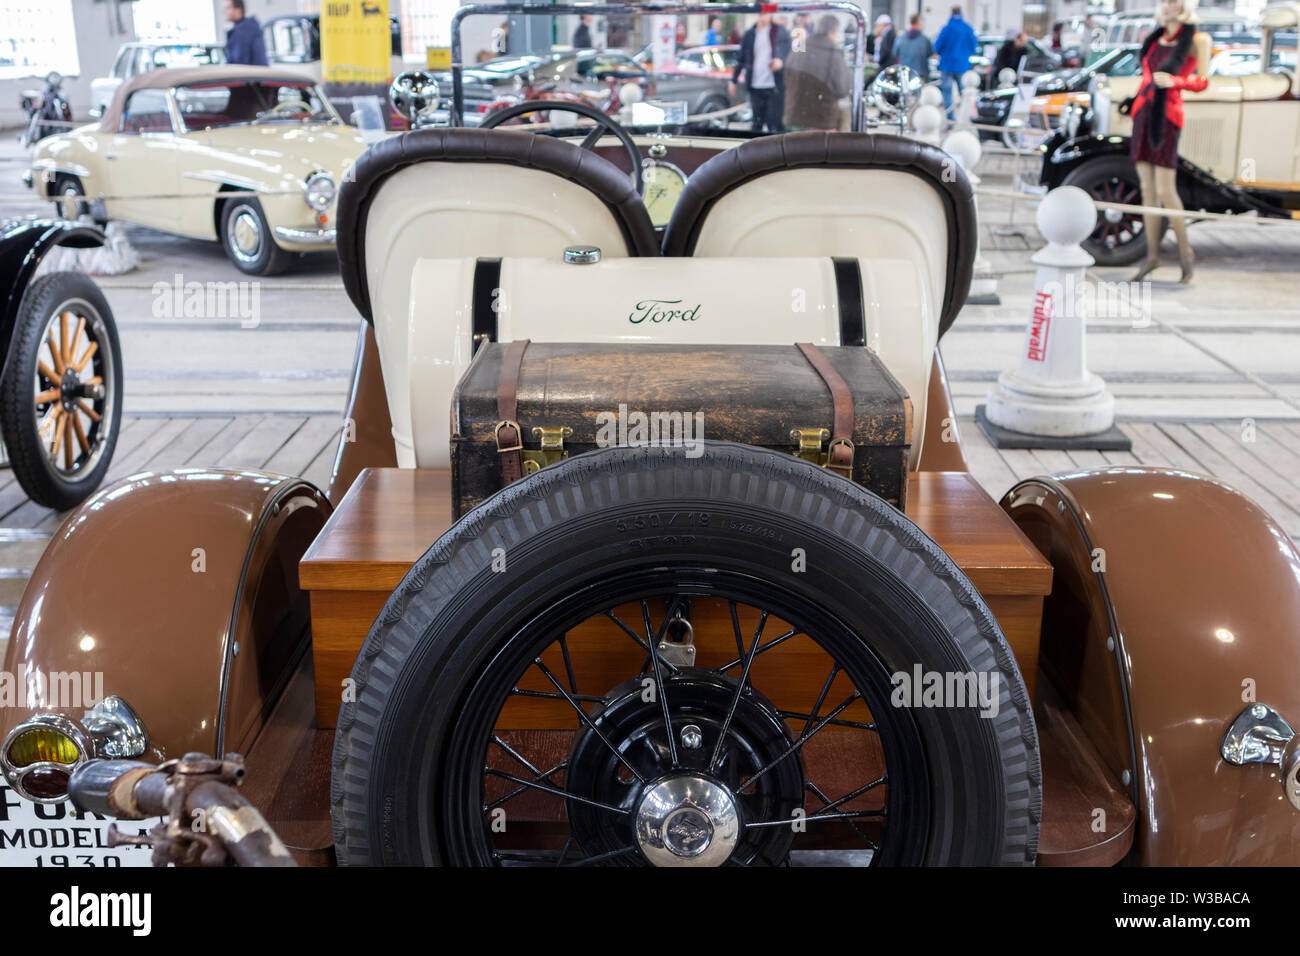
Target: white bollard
964	111
927	122
964	146
1051	393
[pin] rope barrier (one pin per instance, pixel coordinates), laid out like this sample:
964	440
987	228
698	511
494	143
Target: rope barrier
1193	214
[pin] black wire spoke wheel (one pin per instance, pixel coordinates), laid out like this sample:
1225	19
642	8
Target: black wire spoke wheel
638	656
649	759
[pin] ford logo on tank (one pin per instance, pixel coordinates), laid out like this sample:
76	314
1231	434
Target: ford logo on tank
662	310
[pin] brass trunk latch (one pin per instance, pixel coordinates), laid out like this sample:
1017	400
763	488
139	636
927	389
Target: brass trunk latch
551	447
810	444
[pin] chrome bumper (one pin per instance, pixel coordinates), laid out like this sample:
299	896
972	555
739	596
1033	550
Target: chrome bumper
307	237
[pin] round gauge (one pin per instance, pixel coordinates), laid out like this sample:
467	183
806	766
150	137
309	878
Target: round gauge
663	185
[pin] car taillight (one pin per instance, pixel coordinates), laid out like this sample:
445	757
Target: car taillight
38	756
41	745
47	784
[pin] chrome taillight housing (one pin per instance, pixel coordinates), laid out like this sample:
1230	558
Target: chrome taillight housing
38	756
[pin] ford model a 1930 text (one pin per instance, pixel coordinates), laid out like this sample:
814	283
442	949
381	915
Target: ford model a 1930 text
693	573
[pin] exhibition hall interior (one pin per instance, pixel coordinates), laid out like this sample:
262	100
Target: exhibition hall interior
826	433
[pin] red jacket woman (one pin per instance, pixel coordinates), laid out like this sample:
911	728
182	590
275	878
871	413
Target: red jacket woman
1158	111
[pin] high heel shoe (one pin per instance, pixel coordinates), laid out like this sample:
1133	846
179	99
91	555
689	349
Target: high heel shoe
1187	260
1147	268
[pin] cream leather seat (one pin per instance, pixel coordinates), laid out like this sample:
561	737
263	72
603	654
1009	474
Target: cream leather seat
451	193
866	195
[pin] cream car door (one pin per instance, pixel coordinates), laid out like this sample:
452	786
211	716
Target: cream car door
139	166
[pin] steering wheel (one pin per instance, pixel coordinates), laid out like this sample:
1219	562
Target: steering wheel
604	122
297	106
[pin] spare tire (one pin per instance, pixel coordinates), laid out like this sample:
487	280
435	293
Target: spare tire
686	760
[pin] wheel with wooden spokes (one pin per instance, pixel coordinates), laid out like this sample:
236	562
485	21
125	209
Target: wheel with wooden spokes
638	657
60	401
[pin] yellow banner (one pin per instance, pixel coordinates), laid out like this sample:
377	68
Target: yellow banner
439	57
355	41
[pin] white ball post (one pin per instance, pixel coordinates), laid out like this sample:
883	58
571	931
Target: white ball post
970	92
1051	393
927	121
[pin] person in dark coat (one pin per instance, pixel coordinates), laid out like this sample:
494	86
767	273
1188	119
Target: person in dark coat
817	78
582	35
1009	56
763	52
244	43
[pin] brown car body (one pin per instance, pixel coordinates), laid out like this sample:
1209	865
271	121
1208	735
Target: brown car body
183	589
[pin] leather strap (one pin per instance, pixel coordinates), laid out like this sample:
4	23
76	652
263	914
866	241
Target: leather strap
510	439
839	456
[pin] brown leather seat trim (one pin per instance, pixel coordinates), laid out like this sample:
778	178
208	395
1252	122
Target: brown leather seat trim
733	168
457	145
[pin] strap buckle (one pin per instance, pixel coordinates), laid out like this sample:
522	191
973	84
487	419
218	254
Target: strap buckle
519	437
839	456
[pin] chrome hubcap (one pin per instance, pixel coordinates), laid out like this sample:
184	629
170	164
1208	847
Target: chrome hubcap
246	235
687	820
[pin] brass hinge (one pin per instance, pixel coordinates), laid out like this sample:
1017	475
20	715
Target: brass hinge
811	444
551	447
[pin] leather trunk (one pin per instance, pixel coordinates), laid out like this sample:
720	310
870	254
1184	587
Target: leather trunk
605	394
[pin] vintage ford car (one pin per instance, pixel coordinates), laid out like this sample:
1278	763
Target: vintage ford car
519	629
1239	152
174	143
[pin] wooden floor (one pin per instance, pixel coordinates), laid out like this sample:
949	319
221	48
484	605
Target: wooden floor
1264	464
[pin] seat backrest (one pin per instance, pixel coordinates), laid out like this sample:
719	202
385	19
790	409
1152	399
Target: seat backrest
866	195
451	193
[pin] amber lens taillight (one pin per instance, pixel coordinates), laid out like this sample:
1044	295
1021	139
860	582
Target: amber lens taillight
42	745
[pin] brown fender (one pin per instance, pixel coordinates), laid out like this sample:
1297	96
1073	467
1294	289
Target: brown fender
368	443
1199	601
198	642
941	444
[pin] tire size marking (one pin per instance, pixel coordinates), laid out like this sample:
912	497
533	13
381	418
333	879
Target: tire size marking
683	522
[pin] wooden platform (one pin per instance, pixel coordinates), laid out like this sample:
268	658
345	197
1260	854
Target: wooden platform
391	516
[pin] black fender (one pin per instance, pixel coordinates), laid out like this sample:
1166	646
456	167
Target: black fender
1197	188
23	244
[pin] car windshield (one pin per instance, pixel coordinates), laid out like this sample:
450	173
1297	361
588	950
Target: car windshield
184	56
209	105
661	70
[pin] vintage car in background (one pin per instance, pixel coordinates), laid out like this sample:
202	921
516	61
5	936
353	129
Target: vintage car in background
1052	93
61	386
697	77
1239	151
1037	59
498	638
174	143
142	56
1130	28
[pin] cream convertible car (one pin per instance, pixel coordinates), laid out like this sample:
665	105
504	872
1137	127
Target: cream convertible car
250	156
